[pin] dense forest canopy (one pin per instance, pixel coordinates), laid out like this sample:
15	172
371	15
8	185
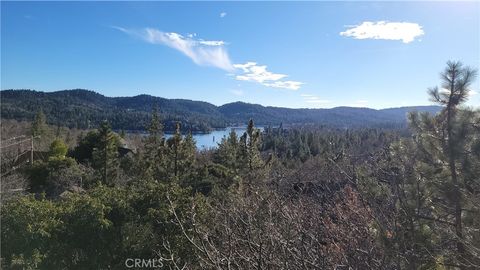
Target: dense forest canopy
309	197
87	109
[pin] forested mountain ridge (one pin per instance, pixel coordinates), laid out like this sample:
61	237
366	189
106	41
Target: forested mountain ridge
85	109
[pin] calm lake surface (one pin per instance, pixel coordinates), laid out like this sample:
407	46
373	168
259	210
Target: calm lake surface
212	139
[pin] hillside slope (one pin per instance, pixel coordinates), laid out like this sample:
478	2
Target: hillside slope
85	109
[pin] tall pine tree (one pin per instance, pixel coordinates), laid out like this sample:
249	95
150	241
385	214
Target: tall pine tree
180	155
153	165
445	144
105	154
227	153
252	167
39	125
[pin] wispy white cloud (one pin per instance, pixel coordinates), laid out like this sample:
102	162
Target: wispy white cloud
212	53
472	93
237	92
292	85
223	14
212	42
313	99
252	72
404	31
202	52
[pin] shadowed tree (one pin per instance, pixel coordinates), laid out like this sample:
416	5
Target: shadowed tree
180	155
40	131
154	148
105	155
39	125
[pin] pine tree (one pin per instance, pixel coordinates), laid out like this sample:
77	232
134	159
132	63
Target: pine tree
414	223
181	155
155	129
174	144
186	156
154	144
227	153
445	144
39	125
105	154
252	167
250	142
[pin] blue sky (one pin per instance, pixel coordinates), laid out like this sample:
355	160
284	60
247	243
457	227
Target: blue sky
308	54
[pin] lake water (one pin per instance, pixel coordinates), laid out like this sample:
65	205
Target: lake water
212	139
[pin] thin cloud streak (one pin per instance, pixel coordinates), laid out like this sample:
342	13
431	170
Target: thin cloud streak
201	52
313	99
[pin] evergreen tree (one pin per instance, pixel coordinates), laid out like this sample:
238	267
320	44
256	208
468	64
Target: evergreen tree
187	154
41	132
227	153
409	239
174	144
154	149
250	147
428	186
252	167
155	129
105	154
83	152
445	144
39	124
181	155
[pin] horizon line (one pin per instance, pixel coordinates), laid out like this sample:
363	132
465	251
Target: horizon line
238	101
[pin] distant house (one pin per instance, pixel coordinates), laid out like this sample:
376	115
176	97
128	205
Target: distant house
124	149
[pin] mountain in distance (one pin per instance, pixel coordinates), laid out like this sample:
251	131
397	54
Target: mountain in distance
87	109
337	117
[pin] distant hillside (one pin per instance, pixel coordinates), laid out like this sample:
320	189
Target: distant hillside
338	117
85	109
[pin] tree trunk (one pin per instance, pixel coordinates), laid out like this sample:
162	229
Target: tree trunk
453	172
106	160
